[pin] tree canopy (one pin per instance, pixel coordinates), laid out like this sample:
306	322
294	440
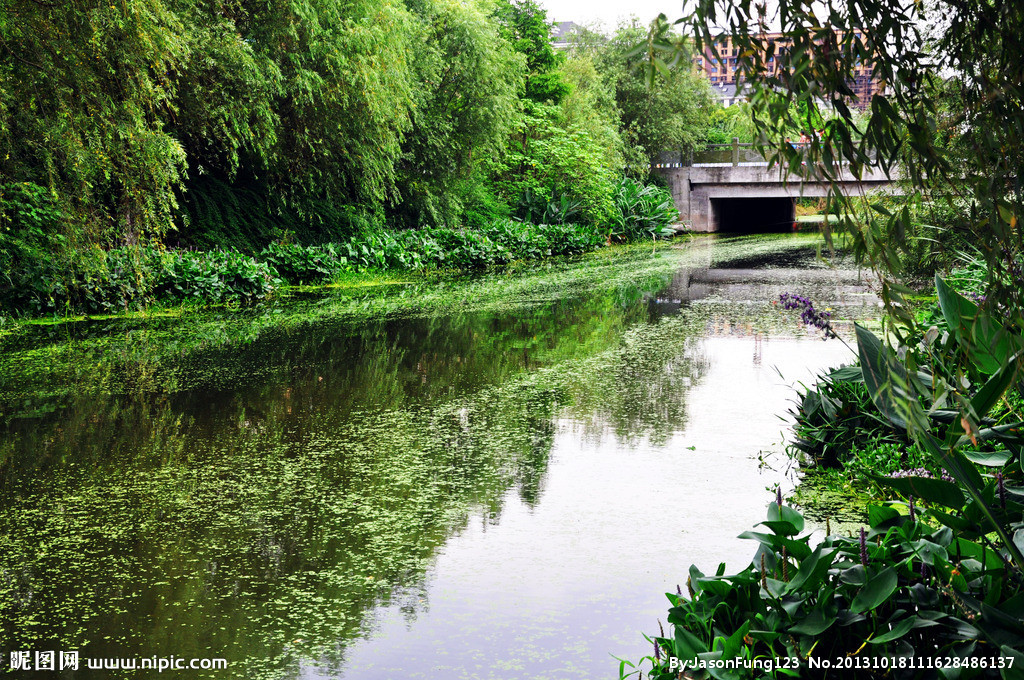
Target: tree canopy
231	122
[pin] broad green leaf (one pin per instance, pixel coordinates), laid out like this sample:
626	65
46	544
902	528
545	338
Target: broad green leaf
1014	670
712	585
813	568
987	344
897	631
932	490
988	458
786	514
876	591
994	387
814	623
782	527
987	556
878	514
887	383
686	646
731	646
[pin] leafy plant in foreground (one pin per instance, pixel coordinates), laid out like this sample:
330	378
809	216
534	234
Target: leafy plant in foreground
642	210
900	592
945	581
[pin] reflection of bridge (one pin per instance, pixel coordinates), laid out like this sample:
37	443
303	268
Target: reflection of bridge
741	193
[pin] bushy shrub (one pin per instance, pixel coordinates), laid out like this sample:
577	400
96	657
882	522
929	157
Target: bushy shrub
547	208
642	211
31	241
902	590
482	206
106	281
836	416
497	243
304	264
214	276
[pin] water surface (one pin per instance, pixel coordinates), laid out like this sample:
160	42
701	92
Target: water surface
495	477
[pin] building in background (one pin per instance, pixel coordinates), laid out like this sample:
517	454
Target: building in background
721	72
561	34
727	94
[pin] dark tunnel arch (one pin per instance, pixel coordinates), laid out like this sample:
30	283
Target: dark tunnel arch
753	215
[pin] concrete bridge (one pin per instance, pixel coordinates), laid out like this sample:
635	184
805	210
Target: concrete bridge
748	196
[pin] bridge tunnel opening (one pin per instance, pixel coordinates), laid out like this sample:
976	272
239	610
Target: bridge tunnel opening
753	215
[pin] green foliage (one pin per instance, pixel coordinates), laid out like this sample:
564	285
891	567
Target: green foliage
465	106
108	105
101	281
524	24
86	97
836	416
304	264
549	155
672	113
496	244
214	276
950	121
29	231
903	589
554	209
728	122
642	210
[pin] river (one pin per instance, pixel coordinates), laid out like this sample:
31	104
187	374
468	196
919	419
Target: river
486	477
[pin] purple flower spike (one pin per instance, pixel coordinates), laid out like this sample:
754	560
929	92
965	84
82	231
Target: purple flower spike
863	547
808	314
778	496
1001	488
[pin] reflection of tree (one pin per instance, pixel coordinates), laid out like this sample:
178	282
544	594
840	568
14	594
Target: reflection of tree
255	498
245	535
533	463
252	488
640	388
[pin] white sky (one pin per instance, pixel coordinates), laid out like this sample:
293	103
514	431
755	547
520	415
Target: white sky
609	12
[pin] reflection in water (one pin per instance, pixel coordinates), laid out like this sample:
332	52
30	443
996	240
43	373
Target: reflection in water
499	491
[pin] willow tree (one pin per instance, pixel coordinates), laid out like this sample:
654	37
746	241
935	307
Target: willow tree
346	93
86	93
467	80
112	105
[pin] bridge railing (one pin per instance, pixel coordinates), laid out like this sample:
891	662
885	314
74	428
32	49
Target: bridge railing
714	155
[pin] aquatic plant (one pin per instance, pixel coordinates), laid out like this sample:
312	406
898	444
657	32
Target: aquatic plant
900	589
821	320
943	582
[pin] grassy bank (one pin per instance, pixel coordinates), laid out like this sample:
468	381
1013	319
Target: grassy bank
132	278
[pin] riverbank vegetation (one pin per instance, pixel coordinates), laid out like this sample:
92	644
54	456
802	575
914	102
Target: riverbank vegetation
927	419
205	151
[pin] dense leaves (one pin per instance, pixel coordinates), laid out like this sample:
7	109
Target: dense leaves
262	127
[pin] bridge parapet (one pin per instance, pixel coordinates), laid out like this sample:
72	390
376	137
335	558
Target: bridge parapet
709	195
717	155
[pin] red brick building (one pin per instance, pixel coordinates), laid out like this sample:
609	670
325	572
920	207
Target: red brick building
722	71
